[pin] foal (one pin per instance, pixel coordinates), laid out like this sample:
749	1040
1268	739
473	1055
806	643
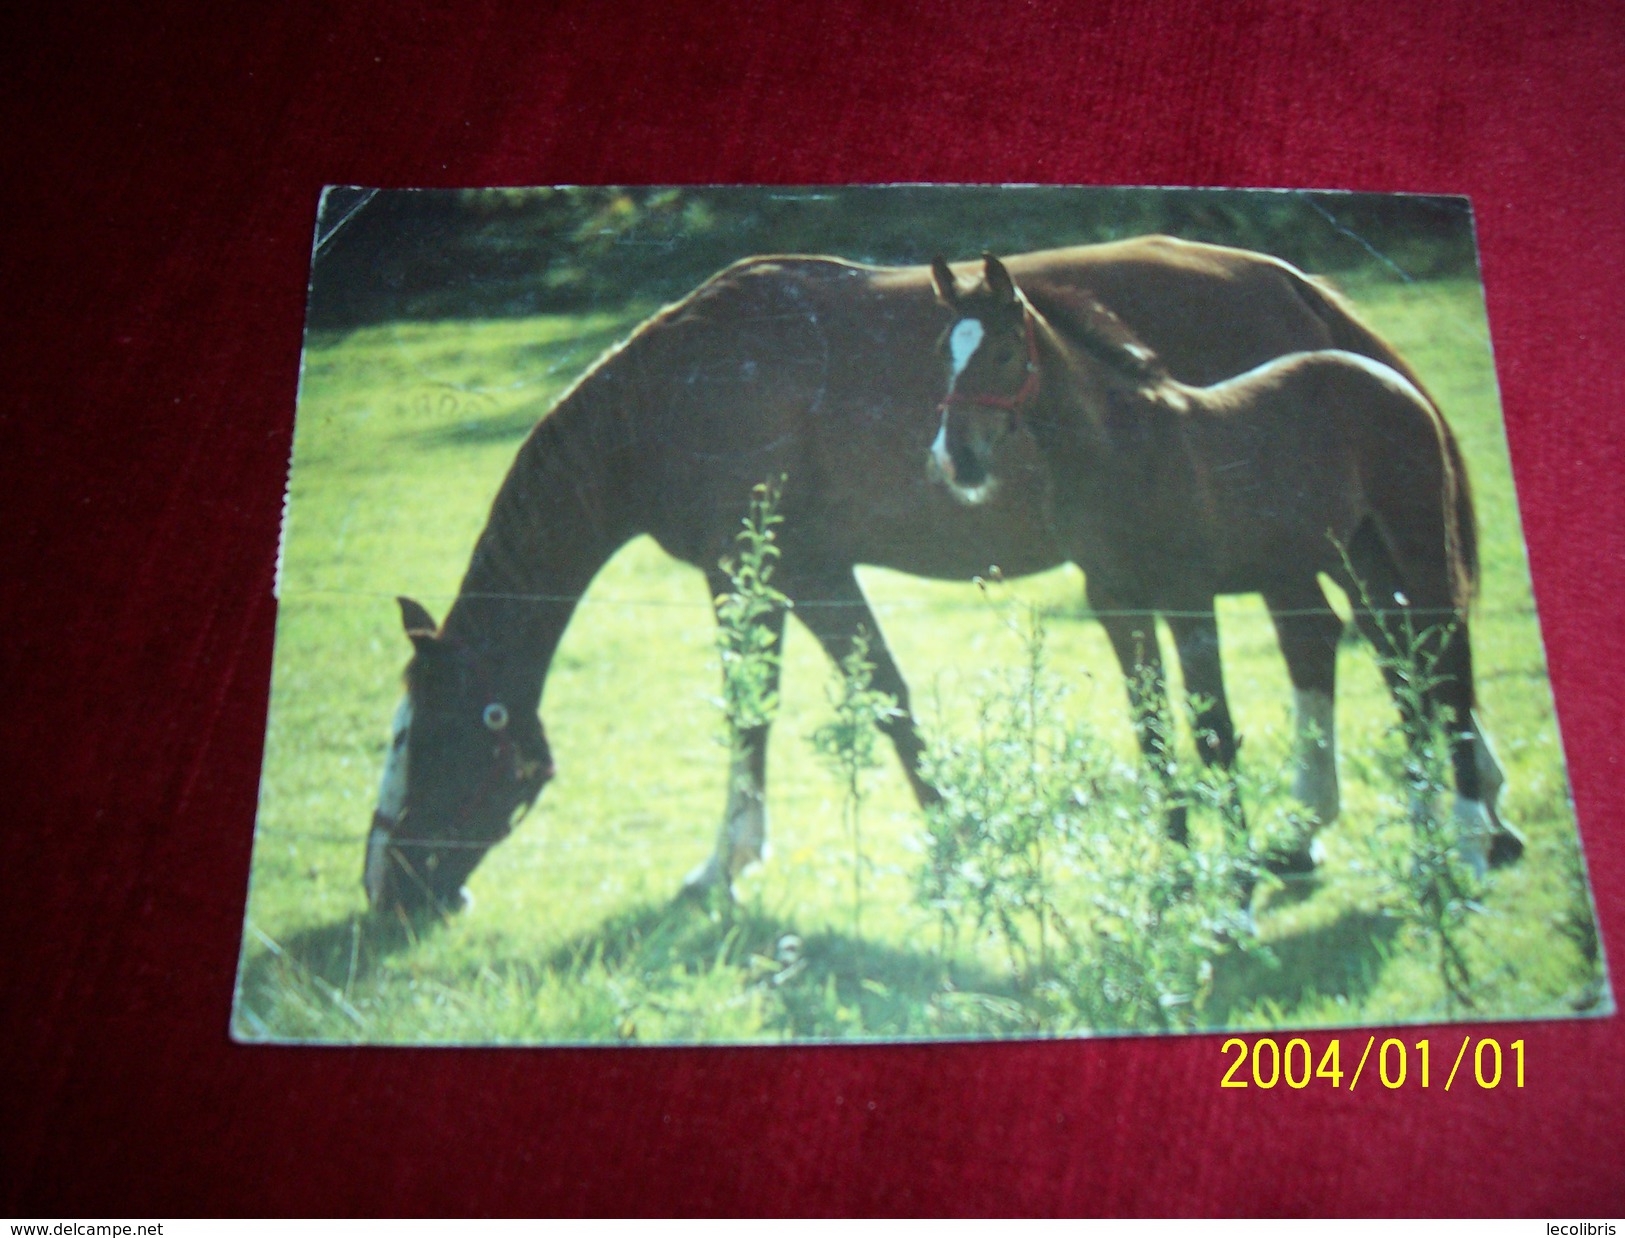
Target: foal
1167	495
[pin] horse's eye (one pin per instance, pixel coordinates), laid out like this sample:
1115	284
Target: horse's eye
496	716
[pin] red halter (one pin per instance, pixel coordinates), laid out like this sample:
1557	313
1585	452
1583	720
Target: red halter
1011	403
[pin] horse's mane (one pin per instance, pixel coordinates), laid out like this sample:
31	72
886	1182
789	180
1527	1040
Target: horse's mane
1080	317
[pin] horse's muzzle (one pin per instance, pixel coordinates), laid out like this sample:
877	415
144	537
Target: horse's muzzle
413	877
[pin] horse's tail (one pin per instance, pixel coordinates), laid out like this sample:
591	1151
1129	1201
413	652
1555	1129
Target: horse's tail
1349	333
1466	524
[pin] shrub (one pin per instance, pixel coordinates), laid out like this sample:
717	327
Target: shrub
847	743
1049	842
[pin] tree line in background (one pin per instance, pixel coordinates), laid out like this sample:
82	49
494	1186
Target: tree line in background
491	253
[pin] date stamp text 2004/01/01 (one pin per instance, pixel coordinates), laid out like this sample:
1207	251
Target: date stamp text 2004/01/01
1266	1063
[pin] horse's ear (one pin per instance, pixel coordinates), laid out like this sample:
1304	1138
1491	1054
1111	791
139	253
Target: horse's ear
942	279
998	280
417	621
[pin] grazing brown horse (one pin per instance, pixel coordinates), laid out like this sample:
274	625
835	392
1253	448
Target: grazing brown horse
821	371
1168	494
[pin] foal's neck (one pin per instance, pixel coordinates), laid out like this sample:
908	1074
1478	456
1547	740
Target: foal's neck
1105	429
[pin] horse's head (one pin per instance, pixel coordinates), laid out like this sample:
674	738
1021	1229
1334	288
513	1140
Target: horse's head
992	363
462	769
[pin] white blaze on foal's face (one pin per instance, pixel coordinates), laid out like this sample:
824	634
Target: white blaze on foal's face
963	341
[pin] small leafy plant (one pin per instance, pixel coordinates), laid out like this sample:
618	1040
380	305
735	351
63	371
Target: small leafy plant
747	639
749	625
1049	842
847	743
1416	845
1008	798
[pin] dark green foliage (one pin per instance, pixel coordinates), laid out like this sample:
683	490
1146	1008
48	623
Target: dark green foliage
432	254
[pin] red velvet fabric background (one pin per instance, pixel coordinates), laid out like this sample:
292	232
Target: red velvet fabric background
163	163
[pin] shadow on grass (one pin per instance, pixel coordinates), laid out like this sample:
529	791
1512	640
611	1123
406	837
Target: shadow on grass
1342	959
317	969
826	985
549	362
477	431
686	956
331	982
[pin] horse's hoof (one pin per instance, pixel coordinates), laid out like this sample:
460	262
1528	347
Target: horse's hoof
1246	886
1183	884
705	882
1246	926
1178	829
1506	846
1298	862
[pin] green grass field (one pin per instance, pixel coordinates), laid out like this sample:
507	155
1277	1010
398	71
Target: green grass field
403	435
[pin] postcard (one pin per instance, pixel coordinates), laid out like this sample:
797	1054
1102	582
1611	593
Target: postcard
892	613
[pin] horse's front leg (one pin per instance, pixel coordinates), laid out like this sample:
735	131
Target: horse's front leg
1308	631
743	836
1196	636
1133	635
833	607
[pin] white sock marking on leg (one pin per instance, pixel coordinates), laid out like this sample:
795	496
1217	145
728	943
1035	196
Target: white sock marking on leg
1315	785
1474	830
1491	777
744	823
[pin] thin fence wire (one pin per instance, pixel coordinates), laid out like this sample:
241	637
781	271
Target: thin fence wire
966	606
